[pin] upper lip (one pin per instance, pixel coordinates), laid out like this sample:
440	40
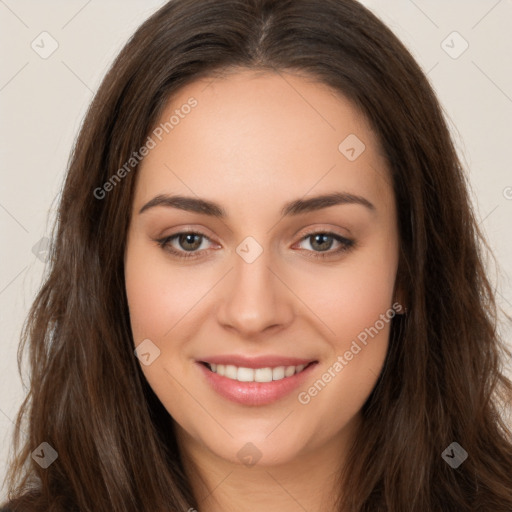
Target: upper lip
256	362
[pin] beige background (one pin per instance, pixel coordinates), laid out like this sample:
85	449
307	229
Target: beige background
43	101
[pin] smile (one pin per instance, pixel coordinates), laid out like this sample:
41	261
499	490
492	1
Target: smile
242	374
266	382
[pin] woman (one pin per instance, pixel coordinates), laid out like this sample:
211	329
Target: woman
327	341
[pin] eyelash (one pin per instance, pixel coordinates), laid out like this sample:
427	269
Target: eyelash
346	244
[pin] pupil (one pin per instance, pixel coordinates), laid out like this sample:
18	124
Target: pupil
326	245
187	239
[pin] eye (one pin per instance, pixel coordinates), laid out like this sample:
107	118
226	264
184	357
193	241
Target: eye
189	243
322	242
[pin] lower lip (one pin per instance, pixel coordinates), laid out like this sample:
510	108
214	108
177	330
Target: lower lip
254	393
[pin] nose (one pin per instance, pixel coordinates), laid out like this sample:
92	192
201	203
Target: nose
254	299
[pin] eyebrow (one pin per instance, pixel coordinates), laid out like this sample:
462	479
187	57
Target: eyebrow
296	207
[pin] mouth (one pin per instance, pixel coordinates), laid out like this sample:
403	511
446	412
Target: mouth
265	374
259	382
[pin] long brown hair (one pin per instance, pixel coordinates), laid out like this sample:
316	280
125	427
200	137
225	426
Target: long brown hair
442	381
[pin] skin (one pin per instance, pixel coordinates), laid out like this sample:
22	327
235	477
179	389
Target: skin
253	143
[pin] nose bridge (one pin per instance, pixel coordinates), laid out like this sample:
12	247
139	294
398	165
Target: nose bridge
254	297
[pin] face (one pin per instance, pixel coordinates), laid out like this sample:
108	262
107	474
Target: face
265	281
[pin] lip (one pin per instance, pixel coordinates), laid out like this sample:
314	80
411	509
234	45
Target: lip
255	393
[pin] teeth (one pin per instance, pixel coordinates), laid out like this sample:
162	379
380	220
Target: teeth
255	375
244	375
230	371
262	375
290	370
279	372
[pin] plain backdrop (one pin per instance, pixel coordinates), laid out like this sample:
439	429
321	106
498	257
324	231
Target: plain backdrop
463	45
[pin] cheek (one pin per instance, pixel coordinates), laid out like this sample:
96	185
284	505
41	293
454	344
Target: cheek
355	303
351	296
351	369
362	296
155	308
158	295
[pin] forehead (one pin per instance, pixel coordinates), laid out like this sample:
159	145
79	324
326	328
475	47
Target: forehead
263	135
